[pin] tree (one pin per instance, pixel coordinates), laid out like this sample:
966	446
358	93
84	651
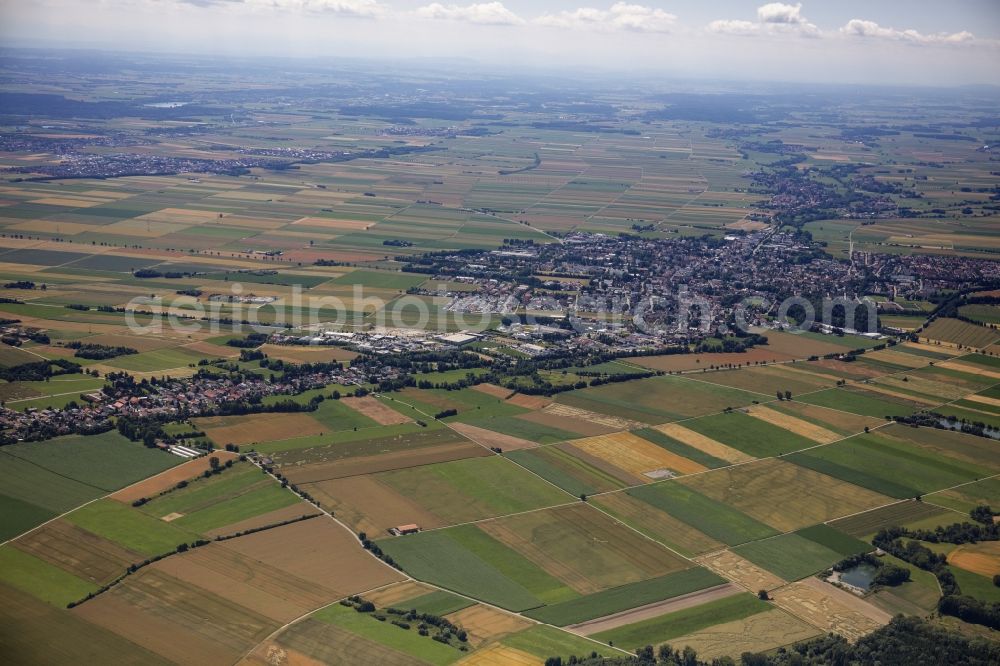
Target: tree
762	595
780	396
788	395
213	462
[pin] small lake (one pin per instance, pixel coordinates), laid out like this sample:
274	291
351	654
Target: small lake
860	576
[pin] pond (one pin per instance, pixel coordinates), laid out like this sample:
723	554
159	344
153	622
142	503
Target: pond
860	576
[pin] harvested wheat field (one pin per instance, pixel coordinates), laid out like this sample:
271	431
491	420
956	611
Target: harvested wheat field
371	407
77	551
484	623
184	624
684	362
731	566
703	443
982	558
761	632
251	583
607	420
830	608
367	505
500	655
636	455
254	428
320	551
491	438
155	485
983	400
396	593
970	368
792	424
273	654
783	495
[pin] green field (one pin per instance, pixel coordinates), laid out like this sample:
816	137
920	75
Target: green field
565	470
625	597
658	399
967	497
408	642
717	520
129	527
107	461
438	603
858	401
887	466
544	642
662	629
236	494
441	558
41	579
474	488
748	434
799	554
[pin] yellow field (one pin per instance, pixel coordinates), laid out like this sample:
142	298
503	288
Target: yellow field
970	368
484	623
982	558
703	443
898	358
593	417
635	455
926	347
830	608
500	655
798	426
905	396
983	400
783	495
732	567
389	596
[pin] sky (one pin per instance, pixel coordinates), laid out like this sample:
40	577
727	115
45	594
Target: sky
904	42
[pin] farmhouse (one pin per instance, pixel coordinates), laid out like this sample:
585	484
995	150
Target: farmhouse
402	530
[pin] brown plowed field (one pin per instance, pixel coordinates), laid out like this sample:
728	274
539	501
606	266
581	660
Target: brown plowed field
77	551
367	505
319	551
274	593
182	623
371	407
492	438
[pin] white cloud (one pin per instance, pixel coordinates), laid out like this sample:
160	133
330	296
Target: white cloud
355	8
485	13
734	27
774	18
870	29
779	12
620	16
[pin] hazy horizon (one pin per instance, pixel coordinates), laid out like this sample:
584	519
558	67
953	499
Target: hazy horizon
877	42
